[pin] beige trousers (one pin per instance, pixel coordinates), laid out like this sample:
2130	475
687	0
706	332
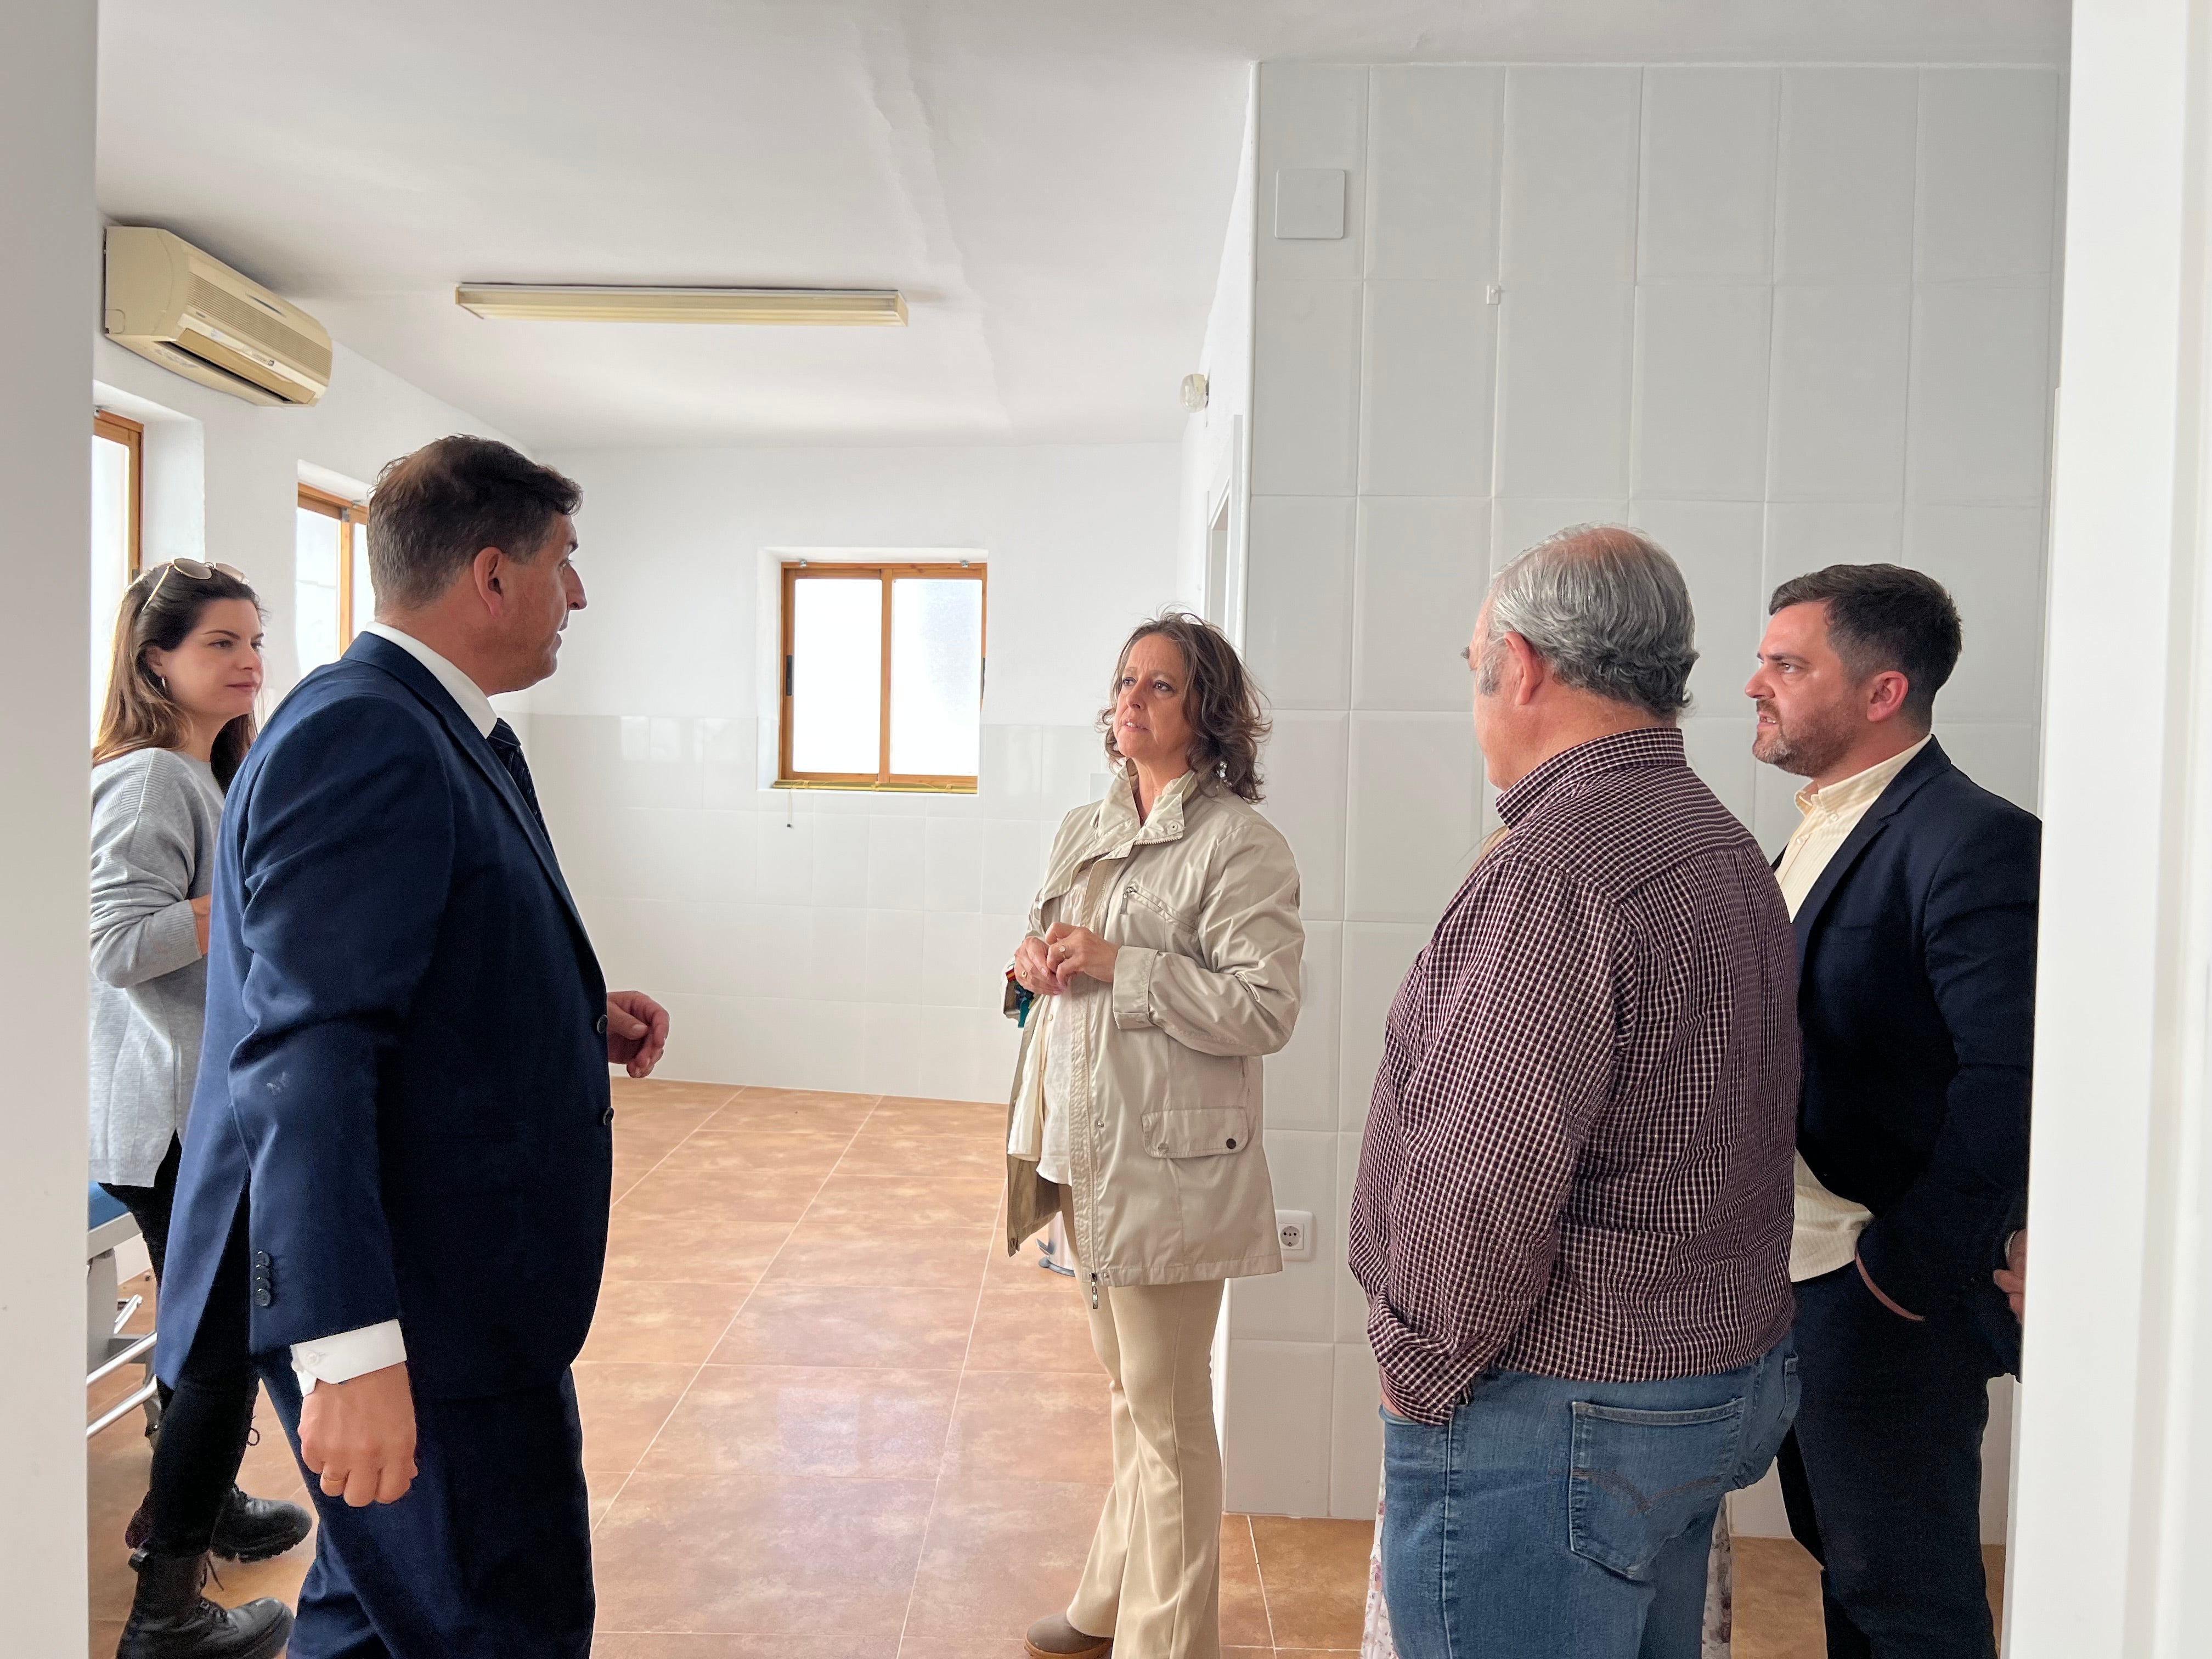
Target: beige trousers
1153	1578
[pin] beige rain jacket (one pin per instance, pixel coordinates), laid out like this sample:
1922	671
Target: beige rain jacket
1166	1174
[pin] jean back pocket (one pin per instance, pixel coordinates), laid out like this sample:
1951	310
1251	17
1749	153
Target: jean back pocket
1640	1479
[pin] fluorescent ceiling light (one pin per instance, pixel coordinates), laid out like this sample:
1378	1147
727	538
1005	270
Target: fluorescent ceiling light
565	303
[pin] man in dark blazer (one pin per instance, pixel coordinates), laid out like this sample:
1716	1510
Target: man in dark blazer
1913	892
395	1183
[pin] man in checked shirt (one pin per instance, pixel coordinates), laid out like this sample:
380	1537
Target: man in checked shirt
1572	1216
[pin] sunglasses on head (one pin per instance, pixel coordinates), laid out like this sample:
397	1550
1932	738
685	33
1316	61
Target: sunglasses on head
194	570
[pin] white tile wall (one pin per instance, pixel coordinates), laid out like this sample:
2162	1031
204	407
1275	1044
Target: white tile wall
1780	318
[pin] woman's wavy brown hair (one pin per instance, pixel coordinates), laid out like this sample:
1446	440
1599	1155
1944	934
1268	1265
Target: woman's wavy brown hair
139	713
1228	722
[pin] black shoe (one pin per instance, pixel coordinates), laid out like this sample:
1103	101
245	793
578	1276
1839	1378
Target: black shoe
171	1620
258	1529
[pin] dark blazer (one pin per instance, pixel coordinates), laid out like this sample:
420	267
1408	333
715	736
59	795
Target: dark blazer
1916	994
404	1079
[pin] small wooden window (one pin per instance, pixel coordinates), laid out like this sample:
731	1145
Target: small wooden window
331	595
883	675
118	475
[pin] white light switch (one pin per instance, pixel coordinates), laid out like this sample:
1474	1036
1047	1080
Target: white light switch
1308	204
1295	1227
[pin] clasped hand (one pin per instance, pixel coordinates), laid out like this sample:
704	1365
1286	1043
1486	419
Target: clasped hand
1051	965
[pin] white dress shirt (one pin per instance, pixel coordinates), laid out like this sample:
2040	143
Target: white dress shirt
348	1354
1827	1236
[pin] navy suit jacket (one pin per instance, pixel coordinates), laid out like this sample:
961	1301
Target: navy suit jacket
1916	994
404	1079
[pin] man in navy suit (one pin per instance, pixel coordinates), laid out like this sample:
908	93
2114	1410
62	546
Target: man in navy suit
395	1186
1913	892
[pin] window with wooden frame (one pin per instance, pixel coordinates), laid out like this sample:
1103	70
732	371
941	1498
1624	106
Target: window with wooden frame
332	599
883	675
118	448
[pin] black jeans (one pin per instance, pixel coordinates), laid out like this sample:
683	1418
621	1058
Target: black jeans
1882	1472
206	1418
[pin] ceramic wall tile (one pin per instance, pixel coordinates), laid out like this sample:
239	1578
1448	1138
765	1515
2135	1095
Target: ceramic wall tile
1982	384
1429	377
1297	606
1411	824
1435	133
1836	428
1708	172
1312	116
1275	1433
1305	388
1304	765
1301	1079
896	856
1988	174
840	859
1296	1305
1719	547
1992	559
1848	158
1517	524
1356	1441
1807	536
1571	166
1375	957
1424	566
952	864
2005	759
1565	357
1701	381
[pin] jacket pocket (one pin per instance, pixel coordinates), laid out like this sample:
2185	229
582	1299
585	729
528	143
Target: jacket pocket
1206	1132
1641	1478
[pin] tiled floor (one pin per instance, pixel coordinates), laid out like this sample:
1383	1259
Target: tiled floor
825	1417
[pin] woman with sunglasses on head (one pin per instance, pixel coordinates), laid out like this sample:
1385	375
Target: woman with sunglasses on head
179	716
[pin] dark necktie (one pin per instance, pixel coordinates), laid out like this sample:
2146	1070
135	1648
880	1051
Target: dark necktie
508	748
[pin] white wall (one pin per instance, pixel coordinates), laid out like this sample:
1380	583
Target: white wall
1778	317
47	222
222	475
813	939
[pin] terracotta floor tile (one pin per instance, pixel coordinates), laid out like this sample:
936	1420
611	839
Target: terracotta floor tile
909	1202
832	1251
903	1155
1314	1573
599	1492
623	1405
790	1151
999	1557
619	1645
1040	1426
706	1245
1020	1272
653	1091
809	1421
1243	1603
1019	1331
661	1322
869	1325
107	1632
760	1554
746	1195
796	1108
1778	1601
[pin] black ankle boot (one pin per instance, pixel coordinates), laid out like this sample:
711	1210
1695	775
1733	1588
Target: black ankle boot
258	1529
171	1620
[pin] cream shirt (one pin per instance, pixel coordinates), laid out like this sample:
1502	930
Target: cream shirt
1828	1227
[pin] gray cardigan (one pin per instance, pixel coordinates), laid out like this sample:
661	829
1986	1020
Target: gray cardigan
154	814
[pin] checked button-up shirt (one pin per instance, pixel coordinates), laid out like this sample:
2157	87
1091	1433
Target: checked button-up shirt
1577	1157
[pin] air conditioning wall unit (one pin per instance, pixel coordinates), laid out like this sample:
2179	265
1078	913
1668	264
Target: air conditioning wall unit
191	313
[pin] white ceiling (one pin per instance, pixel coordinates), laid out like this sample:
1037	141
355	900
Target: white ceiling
1048	180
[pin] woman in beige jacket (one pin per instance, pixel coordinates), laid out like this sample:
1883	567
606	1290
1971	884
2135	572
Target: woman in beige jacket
1162	956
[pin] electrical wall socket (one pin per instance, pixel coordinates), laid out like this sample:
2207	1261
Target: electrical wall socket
1295	1229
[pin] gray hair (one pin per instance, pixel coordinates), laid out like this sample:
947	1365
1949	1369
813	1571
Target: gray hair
1607	610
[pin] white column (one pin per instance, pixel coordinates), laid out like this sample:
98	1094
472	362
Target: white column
2112	1528
49	295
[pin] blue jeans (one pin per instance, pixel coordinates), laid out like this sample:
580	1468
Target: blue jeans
1559	1520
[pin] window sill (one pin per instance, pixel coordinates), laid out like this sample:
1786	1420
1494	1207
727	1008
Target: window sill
897	786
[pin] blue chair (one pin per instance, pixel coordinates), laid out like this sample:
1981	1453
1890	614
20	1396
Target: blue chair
107	1349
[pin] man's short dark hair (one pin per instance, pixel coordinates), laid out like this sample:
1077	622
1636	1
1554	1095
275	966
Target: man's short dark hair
1883	617
433	511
